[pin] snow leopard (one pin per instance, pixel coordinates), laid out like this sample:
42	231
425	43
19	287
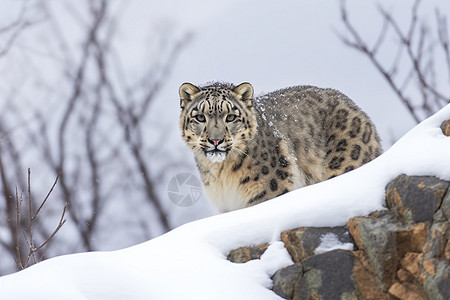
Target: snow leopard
251	149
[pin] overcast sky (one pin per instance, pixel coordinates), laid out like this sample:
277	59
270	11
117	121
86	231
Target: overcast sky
275	44
271	44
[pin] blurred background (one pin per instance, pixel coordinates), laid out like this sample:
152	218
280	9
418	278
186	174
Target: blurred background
89	99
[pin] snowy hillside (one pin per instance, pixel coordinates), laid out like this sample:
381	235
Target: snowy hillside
190	261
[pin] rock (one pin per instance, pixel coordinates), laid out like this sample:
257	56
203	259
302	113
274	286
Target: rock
399	253
244	254
407	291
368	285
284	280
413	238
437	240
303	242
447	250
438	286
377	236
410	262
404	276
445	207
430	278
327	276
445	126
415	198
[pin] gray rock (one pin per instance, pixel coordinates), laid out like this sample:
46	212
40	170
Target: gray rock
415	198
244	254
378	236
284	280
443	282
437	240
437	285
303	242
445	126
327	276
445	207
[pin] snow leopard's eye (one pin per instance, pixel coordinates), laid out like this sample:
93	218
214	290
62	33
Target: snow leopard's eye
230	118
200	118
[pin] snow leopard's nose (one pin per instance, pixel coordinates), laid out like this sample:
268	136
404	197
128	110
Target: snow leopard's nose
215	142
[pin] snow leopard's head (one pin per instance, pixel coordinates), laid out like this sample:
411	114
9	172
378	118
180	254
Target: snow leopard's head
217	120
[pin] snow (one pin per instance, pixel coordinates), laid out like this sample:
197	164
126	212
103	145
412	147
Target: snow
330	241
190	262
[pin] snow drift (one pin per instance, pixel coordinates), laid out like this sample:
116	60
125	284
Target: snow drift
190	261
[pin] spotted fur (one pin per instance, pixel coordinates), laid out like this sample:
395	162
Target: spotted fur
250	150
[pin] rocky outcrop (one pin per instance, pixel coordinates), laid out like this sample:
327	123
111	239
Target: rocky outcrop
244	254
402	252
399	253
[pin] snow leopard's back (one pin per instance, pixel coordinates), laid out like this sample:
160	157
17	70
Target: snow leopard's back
327	132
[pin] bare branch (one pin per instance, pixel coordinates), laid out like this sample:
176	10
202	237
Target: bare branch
17	27
62	221
18	255
444	38
31	222
96	124
382	35
361	46
30	239
419	47
46	197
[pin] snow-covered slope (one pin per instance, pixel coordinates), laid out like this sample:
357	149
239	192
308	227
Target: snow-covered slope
190	261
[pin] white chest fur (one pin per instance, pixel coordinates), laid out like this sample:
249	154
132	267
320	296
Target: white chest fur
226	193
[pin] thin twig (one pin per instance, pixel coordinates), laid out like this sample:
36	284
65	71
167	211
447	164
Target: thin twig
18	256
62	221
444	38
28	235
360	45
48	195
31	220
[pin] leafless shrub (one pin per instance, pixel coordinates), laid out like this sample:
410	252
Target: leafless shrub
24	258
90	127
414	70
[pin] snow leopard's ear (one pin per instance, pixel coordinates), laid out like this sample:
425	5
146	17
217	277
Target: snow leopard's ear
187	92
244	92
